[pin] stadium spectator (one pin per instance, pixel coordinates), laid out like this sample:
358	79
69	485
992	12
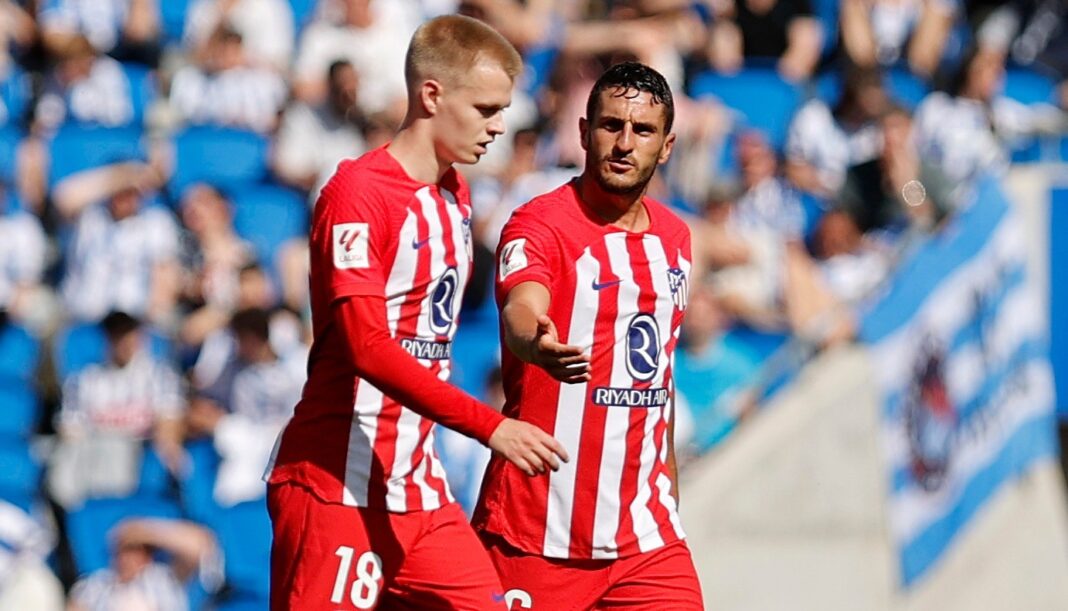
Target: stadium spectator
823	142
138	580
121	28
246	405
312	138
969	130
85	87
767	200
712	369
225	88
881	206
23	254
785	31
109	410
17	32
265	26
884	32
212	256
123	254
26	582
372	35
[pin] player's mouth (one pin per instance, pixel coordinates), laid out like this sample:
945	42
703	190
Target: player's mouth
619	166
482	147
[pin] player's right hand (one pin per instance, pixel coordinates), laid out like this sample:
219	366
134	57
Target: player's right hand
568	364
528	447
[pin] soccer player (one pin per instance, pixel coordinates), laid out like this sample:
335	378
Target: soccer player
361	512
592	284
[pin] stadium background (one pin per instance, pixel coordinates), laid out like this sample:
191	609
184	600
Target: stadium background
159	158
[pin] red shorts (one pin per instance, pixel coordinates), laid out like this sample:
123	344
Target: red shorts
330	556
662	579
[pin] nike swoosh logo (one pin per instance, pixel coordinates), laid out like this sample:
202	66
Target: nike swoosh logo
417	244
597	286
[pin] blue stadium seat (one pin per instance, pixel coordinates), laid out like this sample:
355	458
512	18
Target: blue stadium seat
172	19
10	136
303	12
760	97
142	89
903	87
78	147
1029	87
242	601
20	473
267	216
220	156
197	487
83	344
19	353
19	409
15	93
88	526
245	534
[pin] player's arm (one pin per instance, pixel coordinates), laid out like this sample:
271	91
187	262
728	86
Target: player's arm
531	335
381	361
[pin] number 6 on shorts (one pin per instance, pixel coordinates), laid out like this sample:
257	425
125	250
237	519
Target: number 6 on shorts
368	583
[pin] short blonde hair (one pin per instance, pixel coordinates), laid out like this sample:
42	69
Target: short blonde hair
446	47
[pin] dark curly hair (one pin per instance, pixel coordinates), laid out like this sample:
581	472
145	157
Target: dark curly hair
632	78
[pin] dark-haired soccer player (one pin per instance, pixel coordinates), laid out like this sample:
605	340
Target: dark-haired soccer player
361	512
592	284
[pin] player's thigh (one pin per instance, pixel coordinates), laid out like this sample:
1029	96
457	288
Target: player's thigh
446	568
329	556
662	579
534	582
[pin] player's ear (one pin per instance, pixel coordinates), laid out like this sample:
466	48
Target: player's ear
584	131
666	148
430	96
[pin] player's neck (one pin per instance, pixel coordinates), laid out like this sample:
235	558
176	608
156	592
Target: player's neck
414	151
623	210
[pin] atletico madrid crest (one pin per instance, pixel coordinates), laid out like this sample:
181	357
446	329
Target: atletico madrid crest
679	287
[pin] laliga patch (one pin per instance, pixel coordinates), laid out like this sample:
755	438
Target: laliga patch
350	246
513	257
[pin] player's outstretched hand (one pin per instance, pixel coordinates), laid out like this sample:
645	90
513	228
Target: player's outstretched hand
563	362
528	447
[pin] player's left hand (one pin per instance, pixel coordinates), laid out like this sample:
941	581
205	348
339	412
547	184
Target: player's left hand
528	447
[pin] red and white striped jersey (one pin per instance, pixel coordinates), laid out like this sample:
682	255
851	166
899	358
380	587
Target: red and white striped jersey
376	231
620	296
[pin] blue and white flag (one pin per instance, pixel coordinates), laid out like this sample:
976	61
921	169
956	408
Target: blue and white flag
959	346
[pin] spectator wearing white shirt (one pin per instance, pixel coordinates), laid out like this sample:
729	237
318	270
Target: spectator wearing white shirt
85	86
109	410
23	250
26	582
373	36
136	580
247	403
265	26
123	255
123	28
882	32
213	260
226	89
823	143
968	130
313	138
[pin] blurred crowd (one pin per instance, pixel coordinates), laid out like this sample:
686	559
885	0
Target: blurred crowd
158	160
